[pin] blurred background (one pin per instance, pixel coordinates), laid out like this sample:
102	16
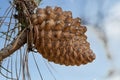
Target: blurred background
102	19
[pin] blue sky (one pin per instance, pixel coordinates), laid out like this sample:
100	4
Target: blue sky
109	21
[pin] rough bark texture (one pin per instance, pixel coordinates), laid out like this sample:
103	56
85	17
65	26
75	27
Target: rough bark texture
13	46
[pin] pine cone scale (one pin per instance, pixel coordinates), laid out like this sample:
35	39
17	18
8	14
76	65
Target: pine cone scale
60	38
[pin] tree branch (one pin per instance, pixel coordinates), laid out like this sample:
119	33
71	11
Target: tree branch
14	45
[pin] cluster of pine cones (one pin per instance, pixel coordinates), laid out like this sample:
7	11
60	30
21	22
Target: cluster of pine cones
60	38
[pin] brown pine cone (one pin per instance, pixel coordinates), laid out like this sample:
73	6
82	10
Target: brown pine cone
61	38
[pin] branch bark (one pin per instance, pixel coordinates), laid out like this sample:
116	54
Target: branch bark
22	39
14	45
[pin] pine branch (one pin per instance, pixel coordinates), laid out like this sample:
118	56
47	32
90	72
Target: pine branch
14	45
22	38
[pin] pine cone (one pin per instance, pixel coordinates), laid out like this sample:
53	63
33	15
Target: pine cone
61	38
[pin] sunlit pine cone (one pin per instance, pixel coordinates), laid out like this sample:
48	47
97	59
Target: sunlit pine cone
61	38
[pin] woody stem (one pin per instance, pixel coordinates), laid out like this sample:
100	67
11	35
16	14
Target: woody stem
13	46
